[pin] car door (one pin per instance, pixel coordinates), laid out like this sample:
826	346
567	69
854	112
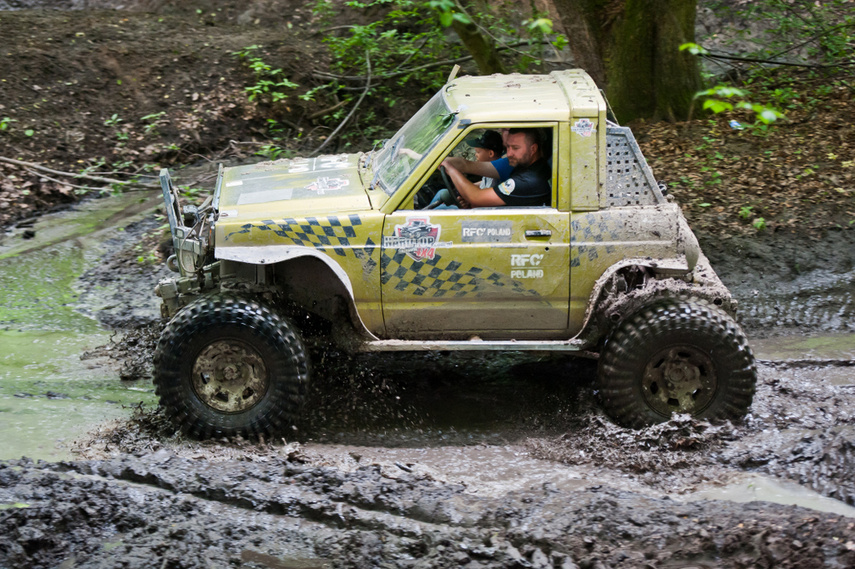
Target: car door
499	272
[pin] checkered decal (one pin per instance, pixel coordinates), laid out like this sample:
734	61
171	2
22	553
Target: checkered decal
333	233
592	228
438	278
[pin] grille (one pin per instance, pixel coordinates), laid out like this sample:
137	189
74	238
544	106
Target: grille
629	179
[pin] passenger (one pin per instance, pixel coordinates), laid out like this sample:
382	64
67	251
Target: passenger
498	168
527	183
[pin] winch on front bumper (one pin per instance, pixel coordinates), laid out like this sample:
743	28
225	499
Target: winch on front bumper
190	227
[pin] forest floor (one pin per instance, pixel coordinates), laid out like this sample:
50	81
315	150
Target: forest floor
118	94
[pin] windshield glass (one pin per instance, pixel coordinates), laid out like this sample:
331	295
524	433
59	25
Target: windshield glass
403	152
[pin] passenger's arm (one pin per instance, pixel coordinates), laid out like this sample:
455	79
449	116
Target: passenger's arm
483	169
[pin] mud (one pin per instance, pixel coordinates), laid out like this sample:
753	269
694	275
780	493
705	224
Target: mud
446	460
789	282
281	513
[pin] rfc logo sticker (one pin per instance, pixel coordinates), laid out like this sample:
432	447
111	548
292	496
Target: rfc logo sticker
325	184
531	266
418	238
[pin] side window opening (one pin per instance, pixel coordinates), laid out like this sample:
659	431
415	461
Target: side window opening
471	148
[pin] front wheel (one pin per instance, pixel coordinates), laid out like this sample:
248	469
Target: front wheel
676	356
230	366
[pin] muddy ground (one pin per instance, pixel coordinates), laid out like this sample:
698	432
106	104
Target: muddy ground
443	460
424	460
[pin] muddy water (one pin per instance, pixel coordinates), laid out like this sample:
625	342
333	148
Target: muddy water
495	424
49	393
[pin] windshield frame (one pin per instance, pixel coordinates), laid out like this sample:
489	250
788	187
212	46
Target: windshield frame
402	154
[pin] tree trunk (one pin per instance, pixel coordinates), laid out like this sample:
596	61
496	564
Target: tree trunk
648	75
631	47
580	20
482	50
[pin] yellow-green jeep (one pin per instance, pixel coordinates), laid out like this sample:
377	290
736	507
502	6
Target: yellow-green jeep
608	268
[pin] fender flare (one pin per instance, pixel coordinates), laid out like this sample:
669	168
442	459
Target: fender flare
600	283
273	254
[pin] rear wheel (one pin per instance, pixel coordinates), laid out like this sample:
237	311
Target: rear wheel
230	366
676	356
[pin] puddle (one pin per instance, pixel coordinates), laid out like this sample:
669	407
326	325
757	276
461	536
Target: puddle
752	488
822	348
484	470
48	394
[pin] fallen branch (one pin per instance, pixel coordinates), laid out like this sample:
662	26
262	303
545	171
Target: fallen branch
70	174
42	175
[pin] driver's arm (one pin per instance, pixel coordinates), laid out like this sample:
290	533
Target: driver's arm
472	193
483	169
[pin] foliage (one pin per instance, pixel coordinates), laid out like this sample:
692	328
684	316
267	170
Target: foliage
799	32
270	84
717	98
152	121
113	121
716	101
404	48
273	152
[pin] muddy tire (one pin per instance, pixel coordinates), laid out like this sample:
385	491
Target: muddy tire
230	366
676	356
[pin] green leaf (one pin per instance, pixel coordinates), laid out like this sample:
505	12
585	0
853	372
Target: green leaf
769	116
717	106
541	25
462	18
694	49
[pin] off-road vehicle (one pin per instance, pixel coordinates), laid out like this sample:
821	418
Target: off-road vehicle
608	268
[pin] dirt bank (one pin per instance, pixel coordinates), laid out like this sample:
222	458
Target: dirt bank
118	94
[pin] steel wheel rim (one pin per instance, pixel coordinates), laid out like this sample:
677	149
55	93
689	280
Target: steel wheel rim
230	376
679	379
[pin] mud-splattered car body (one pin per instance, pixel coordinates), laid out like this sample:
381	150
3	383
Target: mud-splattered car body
346	237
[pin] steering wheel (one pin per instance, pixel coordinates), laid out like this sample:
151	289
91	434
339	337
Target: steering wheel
446	179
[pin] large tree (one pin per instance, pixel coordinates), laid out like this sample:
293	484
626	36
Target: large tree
631	49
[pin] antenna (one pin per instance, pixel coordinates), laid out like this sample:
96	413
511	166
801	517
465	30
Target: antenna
453	73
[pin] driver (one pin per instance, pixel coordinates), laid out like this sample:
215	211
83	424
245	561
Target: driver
488	147
528	183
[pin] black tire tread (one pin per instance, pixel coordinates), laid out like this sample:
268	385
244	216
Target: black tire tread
634	339
289	366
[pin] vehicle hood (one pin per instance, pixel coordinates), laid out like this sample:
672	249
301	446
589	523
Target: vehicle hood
292	187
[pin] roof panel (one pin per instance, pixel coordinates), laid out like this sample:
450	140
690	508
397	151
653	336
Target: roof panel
557	96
